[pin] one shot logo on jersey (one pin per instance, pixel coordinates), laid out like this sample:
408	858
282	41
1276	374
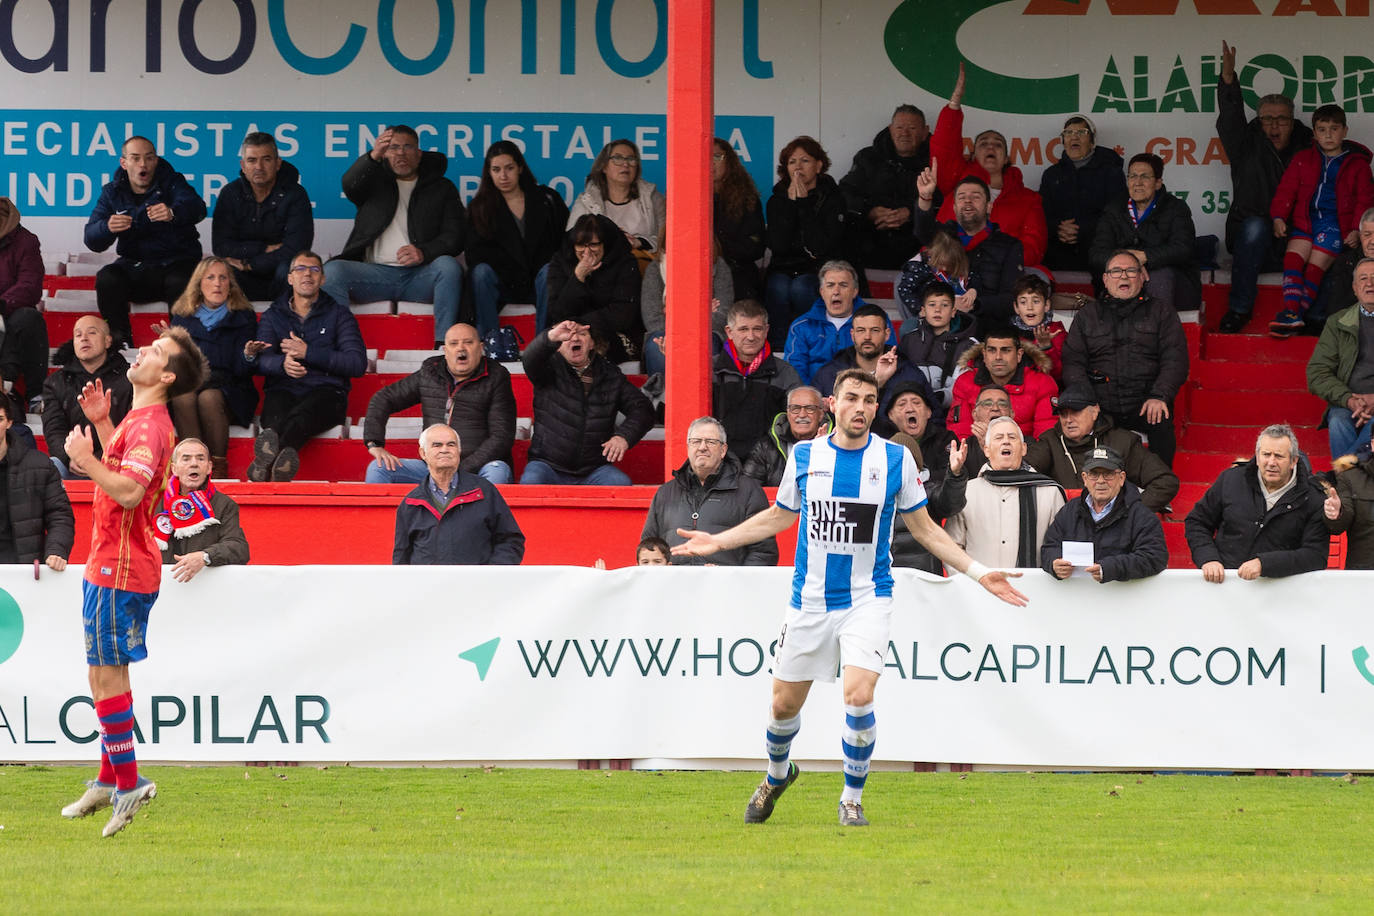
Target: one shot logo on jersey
839	525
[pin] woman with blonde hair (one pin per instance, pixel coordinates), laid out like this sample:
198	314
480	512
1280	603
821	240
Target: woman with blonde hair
221	321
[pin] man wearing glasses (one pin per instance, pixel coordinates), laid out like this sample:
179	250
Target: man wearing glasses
308	346
804	419
709	493
1259	151
1130	349
408	232
1075	191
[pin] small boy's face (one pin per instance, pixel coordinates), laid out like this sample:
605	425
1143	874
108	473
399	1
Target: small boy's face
1329	136
938	312
1031	308
650	556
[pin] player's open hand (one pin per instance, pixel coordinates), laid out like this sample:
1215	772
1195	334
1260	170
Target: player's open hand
94	401
697	544
998	582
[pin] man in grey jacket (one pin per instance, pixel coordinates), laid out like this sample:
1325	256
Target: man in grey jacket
711	494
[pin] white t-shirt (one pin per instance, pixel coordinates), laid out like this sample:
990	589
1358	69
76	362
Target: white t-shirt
848	500
397	233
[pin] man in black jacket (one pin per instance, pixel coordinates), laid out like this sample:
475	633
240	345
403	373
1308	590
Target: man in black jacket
93	359
1265	517
803	418
149	212
709	493
1074	192
38	523
453	517
994	257
880	188
263	219
1259	151
462	389
1126	537
1129	348
577	395
749	383
408	233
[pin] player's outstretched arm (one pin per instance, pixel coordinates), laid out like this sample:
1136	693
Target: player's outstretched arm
757	527
933	538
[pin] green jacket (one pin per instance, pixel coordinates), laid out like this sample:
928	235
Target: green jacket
1332	362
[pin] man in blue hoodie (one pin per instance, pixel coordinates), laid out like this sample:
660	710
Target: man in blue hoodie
149	213
817	337
263	219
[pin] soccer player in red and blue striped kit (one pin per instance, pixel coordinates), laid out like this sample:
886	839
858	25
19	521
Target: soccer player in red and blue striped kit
124	568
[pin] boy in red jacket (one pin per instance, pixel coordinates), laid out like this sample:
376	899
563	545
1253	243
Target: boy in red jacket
1323	192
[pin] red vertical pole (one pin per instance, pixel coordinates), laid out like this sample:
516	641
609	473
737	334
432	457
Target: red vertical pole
691	103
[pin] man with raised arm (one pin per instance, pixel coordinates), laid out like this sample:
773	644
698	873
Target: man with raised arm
124	566
842	487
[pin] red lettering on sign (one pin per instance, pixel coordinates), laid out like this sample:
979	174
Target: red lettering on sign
1215	153
1159	7
1293	7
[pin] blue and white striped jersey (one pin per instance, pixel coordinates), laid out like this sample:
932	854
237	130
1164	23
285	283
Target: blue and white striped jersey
848	500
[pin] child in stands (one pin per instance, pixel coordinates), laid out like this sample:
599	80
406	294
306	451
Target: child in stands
945	260
935	343
1034	320
1318	205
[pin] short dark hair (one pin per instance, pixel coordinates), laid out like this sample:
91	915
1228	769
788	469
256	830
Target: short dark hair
855	375
656	544
869	310
188	364
1155	163
1031	283
974	179
986	388
403	129
909	109
1332	113
937	288
1001	332
260	138
7	406
586	230
307	253
807	145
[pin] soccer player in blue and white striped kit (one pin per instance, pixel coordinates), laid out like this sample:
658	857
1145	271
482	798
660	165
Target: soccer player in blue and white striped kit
847	489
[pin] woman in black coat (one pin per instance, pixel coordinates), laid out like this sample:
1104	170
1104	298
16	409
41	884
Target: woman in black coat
515	225
737	216
805	229
221	321
594	280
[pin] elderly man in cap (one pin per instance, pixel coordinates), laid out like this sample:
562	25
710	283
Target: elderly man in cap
1262	517
1082	427
1007	507
1126	538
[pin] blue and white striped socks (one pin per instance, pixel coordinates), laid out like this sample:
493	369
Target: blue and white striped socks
860	731
780	735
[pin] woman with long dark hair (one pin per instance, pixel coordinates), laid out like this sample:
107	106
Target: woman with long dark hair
738	219
515	225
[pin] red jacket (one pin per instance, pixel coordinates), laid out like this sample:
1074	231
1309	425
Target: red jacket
1017	211
1058	334
1354	188
1031	388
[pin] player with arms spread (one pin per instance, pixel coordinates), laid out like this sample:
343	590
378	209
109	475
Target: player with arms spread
124	568
846	488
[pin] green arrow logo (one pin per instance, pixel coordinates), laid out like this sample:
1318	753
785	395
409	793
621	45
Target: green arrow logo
11	625
921	42
481	656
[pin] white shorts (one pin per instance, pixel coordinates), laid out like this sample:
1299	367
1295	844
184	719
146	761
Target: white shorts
814	644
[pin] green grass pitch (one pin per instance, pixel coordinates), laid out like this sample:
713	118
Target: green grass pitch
348	839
